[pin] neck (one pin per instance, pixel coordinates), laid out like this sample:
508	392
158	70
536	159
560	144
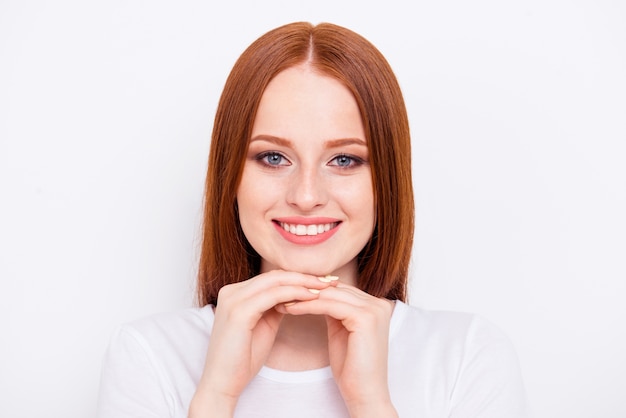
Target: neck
302	341
301	344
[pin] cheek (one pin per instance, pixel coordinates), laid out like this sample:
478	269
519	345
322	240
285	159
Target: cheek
359	196
254	197
245	196
369	205
249	186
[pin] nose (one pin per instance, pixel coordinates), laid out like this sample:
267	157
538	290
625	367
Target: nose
307	189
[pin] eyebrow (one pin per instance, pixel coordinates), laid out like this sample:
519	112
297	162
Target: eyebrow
332	143
335	143
273	139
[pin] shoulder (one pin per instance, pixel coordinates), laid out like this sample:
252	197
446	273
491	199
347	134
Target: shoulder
446	327
170	326
460	339
162	342
169	337
470	359
153	364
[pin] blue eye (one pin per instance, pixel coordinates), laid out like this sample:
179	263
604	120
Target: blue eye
346	161
343	161
272	159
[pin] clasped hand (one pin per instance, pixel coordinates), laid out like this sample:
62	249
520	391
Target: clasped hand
247	320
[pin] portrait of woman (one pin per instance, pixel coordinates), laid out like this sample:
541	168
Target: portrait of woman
312	209
308	226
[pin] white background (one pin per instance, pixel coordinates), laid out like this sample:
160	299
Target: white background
518	113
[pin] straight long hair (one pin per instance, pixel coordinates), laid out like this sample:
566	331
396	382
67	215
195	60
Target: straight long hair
226	255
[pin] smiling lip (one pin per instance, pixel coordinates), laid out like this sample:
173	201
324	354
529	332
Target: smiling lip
306	231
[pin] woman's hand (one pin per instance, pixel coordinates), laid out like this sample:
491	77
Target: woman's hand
243	333
358	338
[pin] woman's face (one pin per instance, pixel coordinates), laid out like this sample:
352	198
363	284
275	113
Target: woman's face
305	200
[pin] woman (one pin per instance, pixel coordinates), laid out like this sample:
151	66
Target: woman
306	245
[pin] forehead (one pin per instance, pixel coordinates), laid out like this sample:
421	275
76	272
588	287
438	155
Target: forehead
302	102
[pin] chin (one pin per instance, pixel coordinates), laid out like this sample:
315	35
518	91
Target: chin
314	263
307	269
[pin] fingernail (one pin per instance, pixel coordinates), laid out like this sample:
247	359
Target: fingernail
289	303
314	291
328	278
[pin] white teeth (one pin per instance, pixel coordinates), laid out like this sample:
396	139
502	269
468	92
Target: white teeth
299	229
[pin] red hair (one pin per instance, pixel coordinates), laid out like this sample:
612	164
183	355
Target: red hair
226	256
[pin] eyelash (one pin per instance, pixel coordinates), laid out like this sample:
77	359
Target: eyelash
263	159
355	161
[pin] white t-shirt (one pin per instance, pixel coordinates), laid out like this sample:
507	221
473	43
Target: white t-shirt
441	364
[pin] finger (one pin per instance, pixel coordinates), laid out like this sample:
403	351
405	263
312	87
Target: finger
239	293
344	304
275	278
282	277
252	306
349	295
332	308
